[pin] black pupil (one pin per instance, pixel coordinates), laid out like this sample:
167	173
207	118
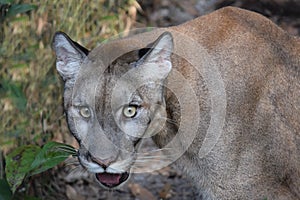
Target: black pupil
86	111
130	110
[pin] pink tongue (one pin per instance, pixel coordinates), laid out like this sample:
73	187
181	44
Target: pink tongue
109	178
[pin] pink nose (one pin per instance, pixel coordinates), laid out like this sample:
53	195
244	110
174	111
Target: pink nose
102	162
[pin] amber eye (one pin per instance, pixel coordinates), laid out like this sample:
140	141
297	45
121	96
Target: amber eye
129	111
85	112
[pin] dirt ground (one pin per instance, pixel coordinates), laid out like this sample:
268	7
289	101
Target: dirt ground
70	181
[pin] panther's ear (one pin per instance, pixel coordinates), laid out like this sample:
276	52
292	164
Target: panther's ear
157	61
69	56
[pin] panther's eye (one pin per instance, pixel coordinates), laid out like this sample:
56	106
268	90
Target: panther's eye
129	111
85	112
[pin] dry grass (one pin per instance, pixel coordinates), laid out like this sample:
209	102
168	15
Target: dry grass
30	89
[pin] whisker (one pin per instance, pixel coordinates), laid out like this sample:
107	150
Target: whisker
77	169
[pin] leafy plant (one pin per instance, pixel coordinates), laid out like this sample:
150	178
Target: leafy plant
29	160
5	192
10	9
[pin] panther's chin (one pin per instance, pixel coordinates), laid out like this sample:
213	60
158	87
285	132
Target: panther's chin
111	180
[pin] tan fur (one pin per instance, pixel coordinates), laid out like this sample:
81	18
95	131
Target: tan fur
258	153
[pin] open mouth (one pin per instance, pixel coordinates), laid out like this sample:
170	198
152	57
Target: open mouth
111	180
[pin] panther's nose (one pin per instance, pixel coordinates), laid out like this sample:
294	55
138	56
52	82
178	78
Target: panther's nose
102	162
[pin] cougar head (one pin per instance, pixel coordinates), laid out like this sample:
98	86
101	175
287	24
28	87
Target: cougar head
110	108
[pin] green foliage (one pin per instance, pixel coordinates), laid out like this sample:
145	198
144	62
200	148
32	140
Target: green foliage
5	192
30	90
50	155
10	10
22	8
14	91
18	164
29	160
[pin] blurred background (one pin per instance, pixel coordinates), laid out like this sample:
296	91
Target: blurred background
31	91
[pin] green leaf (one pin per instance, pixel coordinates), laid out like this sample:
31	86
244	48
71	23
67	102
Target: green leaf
19	8
51	155
18	164
28	160
5	192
